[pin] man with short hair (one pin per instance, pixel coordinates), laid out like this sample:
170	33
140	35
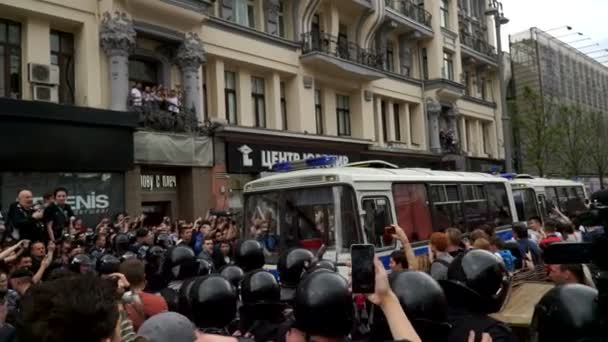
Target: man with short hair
567	274
454	247
20	282
23	219
439	255
535	229
144	239
551	234
185	235
520	234
148	304
398	261
82	308
37	252
58	216
23	261
207	253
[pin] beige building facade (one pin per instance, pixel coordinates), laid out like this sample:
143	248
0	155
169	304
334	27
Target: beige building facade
411	82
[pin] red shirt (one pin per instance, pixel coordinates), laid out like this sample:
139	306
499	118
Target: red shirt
551	238
152	305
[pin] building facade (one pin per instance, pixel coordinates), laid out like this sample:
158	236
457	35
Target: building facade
411	82
557	73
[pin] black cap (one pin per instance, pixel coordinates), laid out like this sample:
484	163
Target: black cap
213	302
21	273
323	305
293	264
477	281
567	313
249	255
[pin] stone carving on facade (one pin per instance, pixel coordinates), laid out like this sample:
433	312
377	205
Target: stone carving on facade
272	8
433	107
116	34
190	54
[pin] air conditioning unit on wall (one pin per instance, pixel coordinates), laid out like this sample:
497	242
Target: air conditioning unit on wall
46	93
43	73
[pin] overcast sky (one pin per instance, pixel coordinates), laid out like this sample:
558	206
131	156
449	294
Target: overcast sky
586	16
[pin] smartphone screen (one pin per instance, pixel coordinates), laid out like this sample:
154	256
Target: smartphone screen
363	274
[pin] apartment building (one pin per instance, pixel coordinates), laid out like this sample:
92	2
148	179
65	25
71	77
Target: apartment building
411	82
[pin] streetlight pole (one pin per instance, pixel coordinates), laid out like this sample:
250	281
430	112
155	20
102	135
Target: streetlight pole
499	20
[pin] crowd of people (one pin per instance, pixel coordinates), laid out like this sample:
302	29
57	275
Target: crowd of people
156	97
126	280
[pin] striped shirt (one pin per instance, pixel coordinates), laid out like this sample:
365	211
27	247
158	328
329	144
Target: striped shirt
127	333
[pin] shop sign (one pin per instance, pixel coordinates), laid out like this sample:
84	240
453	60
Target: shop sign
254	158
158	182
92	196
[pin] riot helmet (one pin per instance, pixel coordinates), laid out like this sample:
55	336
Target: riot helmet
213	302
184	304
128	255
234	274
164	240
155	254
477	281
323	305
154	261
259	287
567	313
180	263
121	243
249	255
323	265
292	265
205	267
107	264
81	263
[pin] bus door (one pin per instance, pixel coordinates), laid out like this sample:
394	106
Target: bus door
542	205
378	214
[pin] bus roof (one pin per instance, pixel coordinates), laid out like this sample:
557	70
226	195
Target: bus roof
365	174
533	182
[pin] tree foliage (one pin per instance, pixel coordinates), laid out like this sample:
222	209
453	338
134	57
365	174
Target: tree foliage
573	131
597	149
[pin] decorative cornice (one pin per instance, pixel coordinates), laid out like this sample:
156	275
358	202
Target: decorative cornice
116	34
190	54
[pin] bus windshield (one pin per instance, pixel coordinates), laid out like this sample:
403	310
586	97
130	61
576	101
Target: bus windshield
525	203
307	218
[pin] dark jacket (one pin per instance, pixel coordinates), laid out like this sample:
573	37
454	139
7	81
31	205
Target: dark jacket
20	220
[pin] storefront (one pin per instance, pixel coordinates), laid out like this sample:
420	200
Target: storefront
85	150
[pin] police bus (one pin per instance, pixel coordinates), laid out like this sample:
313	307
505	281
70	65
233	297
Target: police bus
341	206
539	196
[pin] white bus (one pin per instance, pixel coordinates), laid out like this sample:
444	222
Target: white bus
538	196
341	206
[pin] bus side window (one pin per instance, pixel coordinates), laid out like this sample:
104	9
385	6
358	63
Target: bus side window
412	208
377	217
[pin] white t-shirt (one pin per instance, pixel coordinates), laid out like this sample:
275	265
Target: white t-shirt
173	104
136	97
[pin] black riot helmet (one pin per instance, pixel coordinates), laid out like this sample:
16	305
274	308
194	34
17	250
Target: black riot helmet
213	302
292	265
424	303
323	305
128	255
184	304
107	264
155	254
121	243
567	313
164	240
323	265
155	257
180	263
259	287
249	255
234	274
205	267
477	281
81	263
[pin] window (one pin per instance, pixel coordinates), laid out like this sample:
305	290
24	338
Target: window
485	136
258	101
276	24
283	106
447	207
240	11
448	66
498	203
445	13
377	217
343	112
551	199
525	203
390	57
467	83
384	120
230	95
318	111
343	42
397	115
482	88
475	205
413	213
205	106
10	59
62	55
425	64
143	71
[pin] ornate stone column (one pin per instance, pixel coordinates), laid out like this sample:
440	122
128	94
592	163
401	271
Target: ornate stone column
453	122
433	110
117	38
189	58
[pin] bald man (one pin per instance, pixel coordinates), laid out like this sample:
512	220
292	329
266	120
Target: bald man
25	219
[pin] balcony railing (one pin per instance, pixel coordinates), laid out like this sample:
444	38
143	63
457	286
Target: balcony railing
448	142
478	44
331	45
411	10
155	118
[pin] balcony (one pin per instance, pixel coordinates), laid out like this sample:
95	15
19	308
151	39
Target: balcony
154	118
340	57
410	15
478	49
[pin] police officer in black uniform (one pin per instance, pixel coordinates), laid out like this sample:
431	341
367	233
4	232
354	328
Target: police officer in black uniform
234	275
180	264
81	264
213	303
261	312
249	255
107	264
291	267
155	281
477	285
568	313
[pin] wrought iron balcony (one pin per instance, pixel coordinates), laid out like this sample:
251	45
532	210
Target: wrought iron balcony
155	118
478	44
410	10
341	48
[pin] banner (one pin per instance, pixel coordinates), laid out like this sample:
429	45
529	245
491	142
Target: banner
92	196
